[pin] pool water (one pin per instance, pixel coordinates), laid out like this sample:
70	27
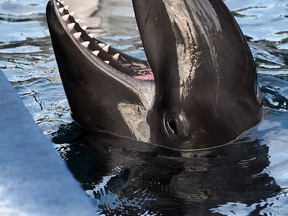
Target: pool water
124	177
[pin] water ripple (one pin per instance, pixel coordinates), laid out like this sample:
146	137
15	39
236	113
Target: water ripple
27	59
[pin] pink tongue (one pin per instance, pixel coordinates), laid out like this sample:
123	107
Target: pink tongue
149	76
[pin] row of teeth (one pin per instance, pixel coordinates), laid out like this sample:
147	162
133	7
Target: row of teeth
77	35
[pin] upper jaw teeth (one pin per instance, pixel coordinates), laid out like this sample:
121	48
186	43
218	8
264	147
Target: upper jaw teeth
73	26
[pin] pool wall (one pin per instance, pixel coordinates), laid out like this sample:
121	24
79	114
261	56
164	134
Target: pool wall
33	178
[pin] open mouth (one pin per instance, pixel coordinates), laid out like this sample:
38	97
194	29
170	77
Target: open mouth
204	74
98	50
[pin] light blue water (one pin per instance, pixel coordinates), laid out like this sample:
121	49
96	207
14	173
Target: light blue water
247	178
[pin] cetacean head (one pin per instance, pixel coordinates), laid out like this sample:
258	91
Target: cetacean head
205	90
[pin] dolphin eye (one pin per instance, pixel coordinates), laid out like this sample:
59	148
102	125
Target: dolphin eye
171	125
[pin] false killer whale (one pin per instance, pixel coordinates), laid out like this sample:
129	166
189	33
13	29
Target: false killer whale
197	89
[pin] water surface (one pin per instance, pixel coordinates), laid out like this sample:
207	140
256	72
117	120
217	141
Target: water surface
124	177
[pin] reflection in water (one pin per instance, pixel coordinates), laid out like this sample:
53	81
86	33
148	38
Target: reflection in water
129	177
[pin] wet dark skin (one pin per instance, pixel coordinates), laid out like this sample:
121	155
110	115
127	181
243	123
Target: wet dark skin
205	92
